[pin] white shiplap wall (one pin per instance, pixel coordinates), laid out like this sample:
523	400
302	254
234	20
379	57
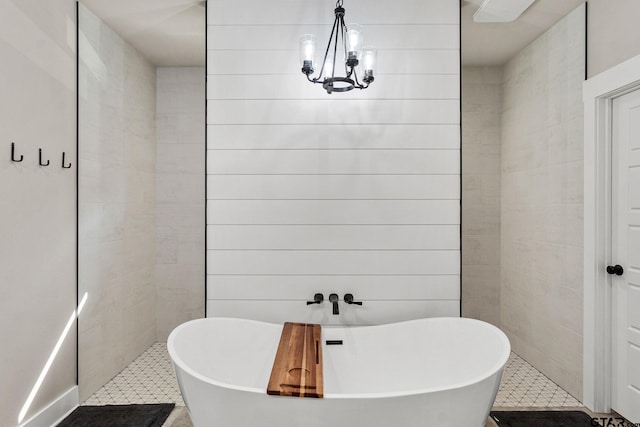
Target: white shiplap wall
356	192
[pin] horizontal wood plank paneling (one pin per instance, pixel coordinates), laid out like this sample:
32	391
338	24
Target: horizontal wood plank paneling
263	62
333	262
302	288
310	12
266	162
371	313
328	111
405	86
356	192
327	237
346	212
388	36
333	137
354	187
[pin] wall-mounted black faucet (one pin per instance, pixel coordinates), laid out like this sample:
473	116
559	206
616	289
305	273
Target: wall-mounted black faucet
348	298
333	298
317	299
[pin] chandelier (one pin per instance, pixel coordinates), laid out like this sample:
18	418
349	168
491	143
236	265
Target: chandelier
332	77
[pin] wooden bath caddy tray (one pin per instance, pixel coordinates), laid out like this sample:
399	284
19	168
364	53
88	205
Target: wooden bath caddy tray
297	369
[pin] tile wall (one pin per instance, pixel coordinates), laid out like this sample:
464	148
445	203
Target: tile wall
180	198
481	146
542	202
117	203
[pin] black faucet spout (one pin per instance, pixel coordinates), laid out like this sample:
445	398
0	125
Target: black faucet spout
333	299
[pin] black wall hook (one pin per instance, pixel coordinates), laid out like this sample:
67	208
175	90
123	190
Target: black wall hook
40	158
13	153
63	166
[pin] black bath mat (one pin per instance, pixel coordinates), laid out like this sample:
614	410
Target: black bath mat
119	416
541	419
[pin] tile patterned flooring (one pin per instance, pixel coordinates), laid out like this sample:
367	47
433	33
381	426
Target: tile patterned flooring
524	386
150	379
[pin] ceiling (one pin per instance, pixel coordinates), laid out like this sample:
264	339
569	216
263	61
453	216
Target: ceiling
495	44
167	32
172	32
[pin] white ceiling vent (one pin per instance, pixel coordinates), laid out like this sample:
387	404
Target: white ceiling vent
501	10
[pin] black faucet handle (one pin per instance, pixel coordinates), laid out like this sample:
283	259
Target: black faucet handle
348	298
317	299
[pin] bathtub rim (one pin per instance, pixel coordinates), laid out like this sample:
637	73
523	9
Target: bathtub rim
497	366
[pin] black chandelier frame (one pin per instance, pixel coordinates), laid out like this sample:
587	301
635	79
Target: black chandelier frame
350	80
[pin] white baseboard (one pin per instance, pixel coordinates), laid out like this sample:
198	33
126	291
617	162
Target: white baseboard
56	411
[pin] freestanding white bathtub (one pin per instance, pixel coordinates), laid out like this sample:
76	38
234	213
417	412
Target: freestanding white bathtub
441	372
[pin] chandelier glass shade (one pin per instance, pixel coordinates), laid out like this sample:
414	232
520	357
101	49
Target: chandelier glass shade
343	58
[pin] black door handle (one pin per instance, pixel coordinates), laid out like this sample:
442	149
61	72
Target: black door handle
615	269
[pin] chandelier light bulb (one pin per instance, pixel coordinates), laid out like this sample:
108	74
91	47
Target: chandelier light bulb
354	40
307	52
369	56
